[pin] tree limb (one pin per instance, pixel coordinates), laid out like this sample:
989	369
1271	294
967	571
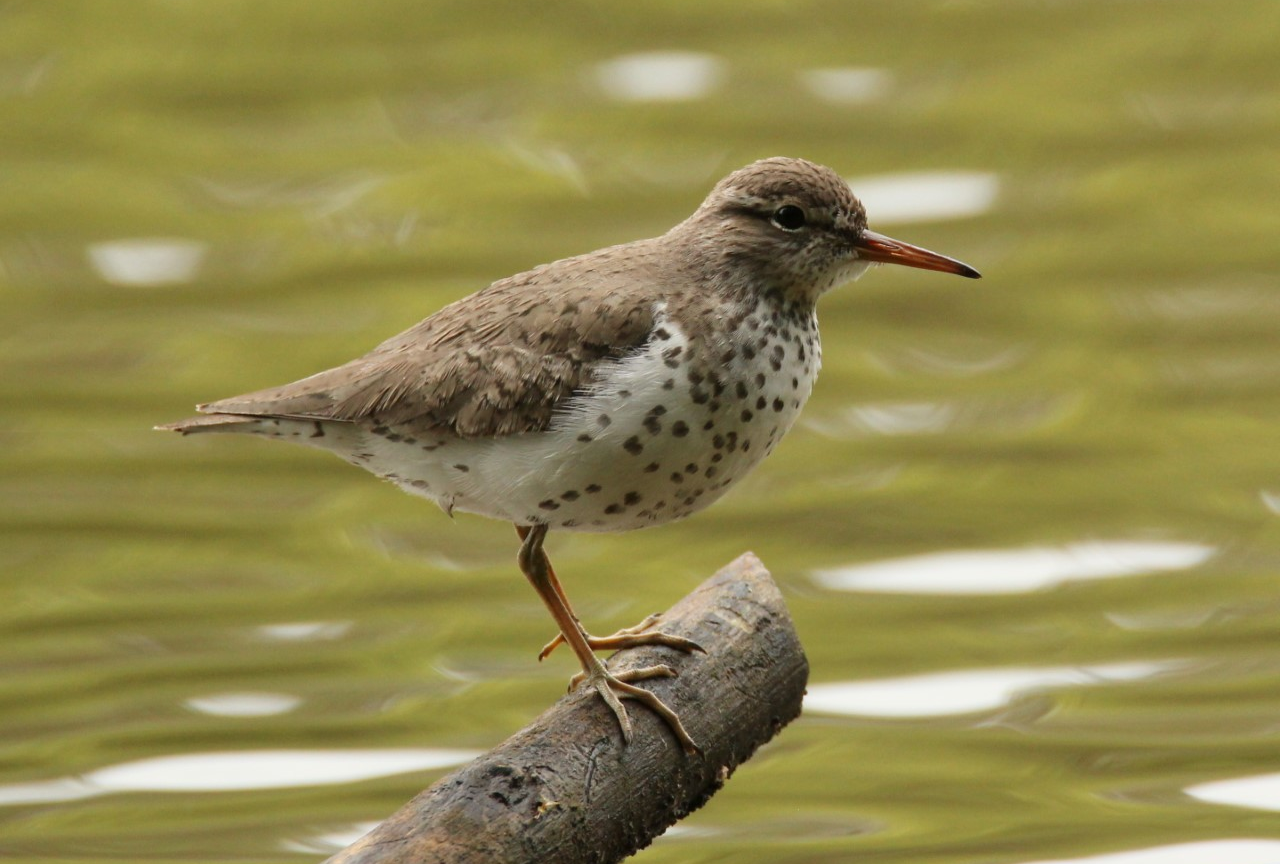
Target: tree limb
565	790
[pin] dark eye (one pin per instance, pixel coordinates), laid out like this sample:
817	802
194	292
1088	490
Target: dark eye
789	217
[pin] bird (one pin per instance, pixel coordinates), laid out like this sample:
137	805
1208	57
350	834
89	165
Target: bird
620	389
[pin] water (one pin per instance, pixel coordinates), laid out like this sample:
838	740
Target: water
1029	527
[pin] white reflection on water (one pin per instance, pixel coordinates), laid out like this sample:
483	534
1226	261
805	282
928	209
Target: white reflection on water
960	692
554	161
1270	500
147	262
235	771
304	631
326	844
333	841
989	414
926	196
1261	792
244	704
1205	852
904	418
954	361
1012	571
660	76
850	85
316	197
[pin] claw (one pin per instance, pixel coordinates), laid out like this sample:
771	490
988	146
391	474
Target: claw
614	688
629	637
551	646
630	675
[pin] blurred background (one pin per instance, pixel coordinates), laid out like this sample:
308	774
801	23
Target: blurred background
1029	527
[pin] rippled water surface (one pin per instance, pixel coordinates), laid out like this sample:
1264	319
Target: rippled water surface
1029	527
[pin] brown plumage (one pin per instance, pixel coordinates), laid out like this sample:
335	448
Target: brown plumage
493	364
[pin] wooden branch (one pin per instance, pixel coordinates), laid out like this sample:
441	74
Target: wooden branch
565	790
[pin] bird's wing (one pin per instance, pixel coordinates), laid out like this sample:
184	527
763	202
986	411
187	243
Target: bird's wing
497	363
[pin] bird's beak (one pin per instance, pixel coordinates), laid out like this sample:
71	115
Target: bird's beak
885	250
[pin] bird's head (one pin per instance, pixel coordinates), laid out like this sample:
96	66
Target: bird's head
796	226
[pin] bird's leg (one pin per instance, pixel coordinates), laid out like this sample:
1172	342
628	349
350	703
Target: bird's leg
612	688
628	637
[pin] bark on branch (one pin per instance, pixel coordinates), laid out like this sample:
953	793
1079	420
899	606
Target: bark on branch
566	791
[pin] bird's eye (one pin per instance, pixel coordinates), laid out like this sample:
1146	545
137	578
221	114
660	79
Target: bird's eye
789	218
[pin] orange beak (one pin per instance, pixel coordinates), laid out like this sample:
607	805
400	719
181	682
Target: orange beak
885	250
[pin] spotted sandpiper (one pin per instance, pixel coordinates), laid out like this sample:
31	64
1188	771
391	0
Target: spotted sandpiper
627	387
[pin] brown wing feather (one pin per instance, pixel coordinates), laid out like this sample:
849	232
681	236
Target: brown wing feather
496	363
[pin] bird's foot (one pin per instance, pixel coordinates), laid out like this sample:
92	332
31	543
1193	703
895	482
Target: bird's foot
629	637
614	688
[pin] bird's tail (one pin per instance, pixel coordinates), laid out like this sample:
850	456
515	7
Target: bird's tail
215	423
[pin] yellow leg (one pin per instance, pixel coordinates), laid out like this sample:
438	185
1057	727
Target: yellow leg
612	688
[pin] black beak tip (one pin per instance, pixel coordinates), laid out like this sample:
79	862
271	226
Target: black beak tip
969	273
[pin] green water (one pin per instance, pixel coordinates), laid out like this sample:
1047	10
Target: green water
312	177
